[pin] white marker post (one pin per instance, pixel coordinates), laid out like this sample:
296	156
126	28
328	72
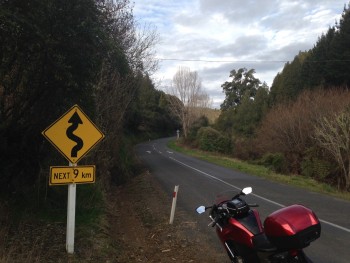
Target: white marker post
173	206
72	190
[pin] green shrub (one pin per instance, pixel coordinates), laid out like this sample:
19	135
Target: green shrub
316	168
209	139
199	123
275	161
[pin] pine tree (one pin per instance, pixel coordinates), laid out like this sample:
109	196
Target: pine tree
339	69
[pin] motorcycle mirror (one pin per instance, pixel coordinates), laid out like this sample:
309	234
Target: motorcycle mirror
201	209
247	190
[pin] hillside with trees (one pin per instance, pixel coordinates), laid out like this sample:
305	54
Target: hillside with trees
307	127
300	126
326	65
53	56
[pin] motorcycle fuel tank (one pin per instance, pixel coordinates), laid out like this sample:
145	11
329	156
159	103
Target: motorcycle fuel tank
292	227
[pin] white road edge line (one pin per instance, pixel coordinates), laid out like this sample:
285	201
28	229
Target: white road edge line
258	196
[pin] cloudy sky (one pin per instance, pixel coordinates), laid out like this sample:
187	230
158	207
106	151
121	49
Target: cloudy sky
213	37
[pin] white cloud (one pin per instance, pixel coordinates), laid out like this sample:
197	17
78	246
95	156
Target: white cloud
255	34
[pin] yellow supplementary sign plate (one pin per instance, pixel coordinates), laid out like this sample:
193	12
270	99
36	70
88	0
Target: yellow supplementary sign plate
73	134
60	175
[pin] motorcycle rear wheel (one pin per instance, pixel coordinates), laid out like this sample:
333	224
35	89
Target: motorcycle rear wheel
303	258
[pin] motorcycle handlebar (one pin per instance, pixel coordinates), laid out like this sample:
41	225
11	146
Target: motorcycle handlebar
214	221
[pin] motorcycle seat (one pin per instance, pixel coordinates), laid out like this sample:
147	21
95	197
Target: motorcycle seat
261	243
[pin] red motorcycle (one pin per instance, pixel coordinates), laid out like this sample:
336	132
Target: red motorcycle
280	240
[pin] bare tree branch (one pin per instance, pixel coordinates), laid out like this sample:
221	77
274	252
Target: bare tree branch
333	134
187	97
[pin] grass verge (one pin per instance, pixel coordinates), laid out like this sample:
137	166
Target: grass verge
261	171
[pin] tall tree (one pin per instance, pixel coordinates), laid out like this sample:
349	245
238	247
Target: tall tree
326	64
245	117
288	85
245	102
149	114
243	82
315	67
186	97
250	112
339	68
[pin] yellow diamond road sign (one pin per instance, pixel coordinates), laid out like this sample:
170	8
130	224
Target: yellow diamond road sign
73	134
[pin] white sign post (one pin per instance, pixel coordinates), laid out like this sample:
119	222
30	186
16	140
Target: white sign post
72	190
173	206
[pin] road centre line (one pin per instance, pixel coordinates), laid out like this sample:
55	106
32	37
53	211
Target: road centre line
258	196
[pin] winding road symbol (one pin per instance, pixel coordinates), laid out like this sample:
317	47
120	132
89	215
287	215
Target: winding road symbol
75	120
73	134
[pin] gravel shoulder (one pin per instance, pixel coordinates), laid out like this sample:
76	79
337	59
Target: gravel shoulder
141	211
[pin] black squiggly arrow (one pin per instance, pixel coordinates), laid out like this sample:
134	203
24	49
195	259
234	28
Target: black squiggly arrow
75	121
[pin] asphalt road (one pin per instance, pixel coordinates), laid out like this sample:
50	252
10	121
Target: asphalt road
200	181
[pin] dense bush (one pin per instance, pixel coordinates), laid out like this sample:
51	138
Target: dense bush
316	168
289	128
244	148
202	121
209	139
275	161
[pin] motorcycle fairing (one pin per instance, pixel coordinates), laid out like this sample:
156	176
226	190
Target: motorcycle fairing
235	231
252	222
241	230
